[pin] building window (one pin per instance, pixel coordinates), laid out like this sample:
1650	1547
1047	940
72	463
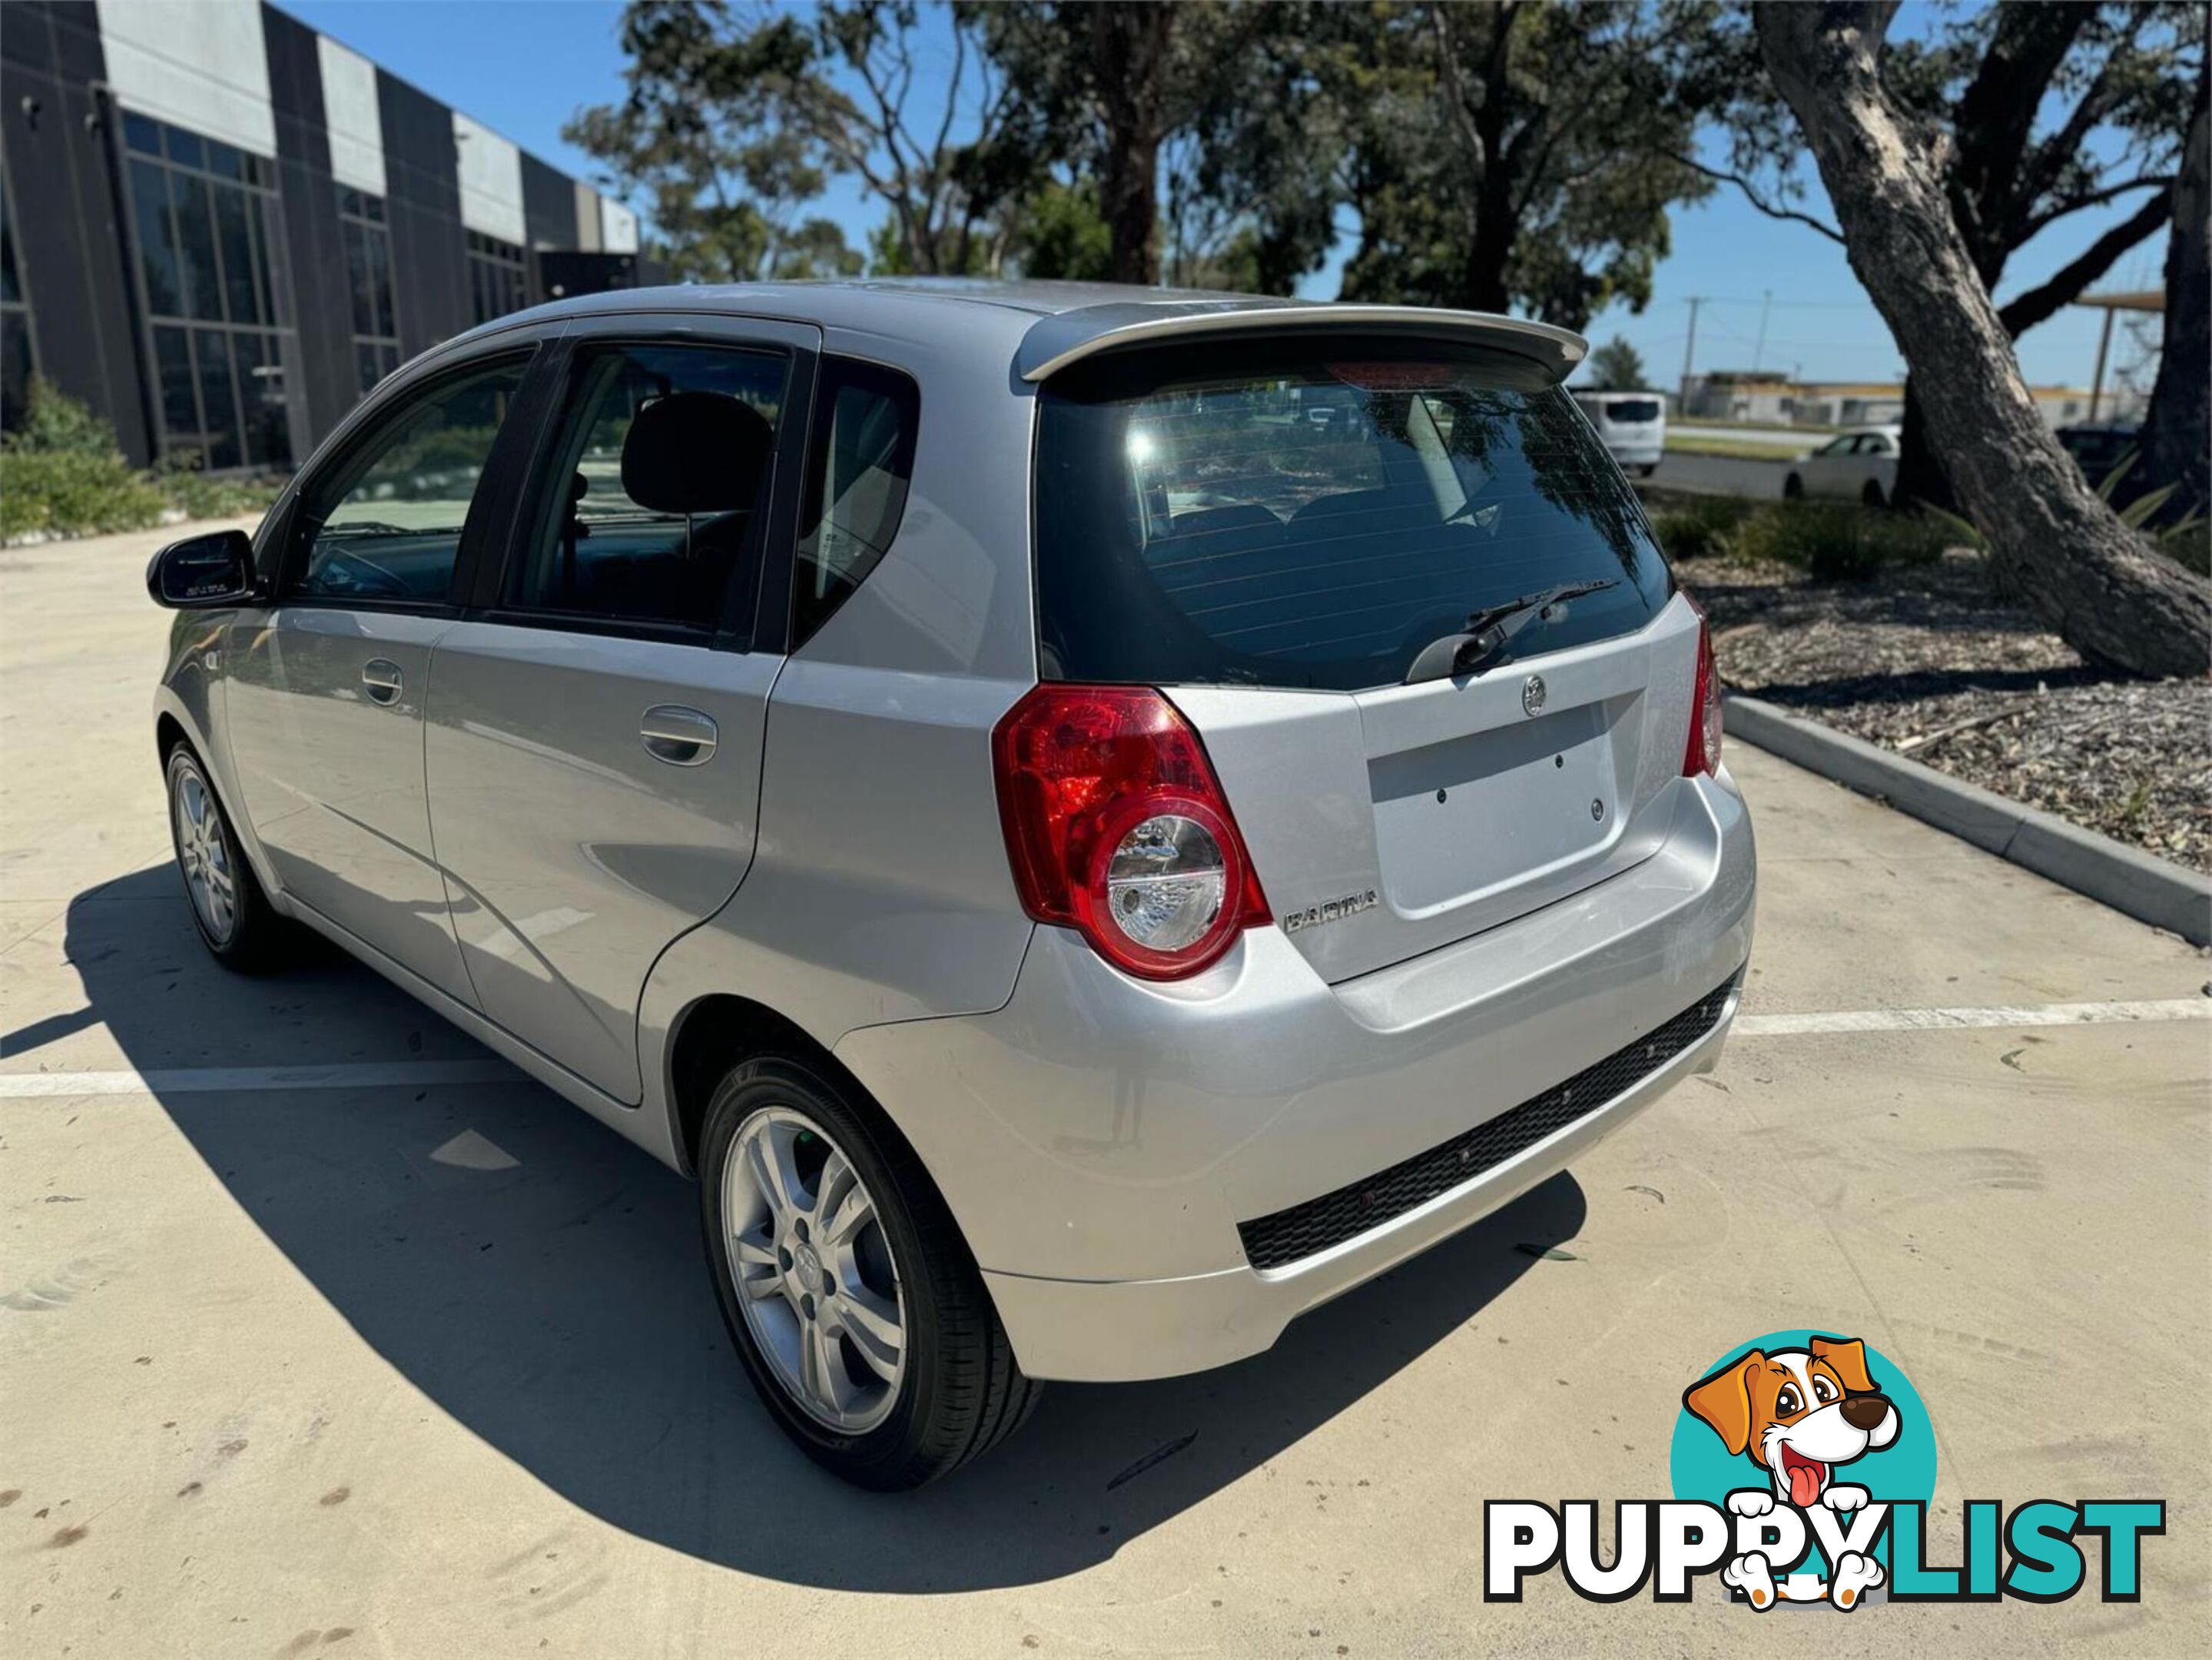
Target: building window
497	282
368	263
203	216
16	353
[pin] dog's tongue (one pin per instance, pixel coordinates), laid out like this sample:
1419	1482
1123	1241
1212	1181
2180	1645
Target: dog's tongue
1804	1485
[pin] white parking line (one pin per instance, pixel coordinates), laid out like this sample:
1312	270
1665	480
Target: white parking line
418	1074
2038	1014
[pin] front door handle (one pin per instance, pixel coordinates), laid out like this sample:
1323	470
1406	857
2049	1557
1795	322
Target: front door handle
381	678
679	736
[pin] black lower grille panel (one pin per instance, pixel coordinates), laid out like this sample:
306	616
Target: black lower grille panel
1318	1224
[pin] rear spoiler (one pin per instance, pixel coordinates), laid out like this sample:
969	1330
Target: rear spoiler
1067	337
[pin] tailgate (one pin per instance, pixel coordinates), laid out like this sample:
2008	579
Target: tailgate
1386	823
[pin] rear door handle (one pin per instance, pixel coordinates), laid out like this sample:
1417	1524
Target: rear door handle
381	677
682	737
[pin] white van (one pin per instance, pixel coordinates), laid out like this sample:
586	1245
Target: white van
1633	425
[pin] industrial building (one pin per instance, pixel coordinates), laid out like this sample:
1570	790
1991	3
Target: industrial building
222	228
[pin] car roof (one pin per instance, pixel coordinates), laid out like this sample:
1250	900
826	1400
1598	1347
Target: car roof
1048	326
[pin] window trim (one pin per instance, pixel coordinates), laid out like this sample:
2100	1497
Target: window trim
373	419
747	615
837	371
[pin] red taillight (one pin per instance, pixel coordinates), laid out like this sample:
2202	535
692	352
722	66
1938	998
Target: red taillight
1703	753
1116	826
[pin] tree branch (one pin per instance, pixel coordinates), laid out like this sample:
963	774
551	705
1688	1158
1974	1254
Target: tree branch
1772	209
2070	281
2098	198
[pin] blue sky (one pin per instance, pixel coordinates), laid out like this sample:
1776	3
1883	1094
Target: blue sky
524	66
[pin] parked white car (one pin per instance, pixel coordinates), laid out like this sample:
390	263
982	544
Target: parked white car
1859	464
1631	424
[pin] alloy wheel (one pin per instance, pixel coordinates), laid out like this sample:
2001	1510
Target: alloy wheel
813	1272
203	853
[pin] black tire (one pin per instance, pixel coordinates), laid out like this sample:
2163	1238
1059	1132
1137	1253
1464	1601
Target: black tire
1648	469
961	1393
1793	488
1871	496
257	940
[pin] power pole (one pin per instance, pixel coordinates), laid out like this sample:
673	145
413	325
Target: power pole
1758	351
1689	353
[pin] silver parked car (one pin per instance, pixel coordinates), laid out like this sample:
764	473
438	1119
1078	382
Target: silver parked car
1083	857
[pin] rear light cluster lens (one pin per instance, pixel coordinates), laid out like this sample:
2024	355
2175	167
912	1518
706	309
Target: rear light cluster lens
1704	754
1116	826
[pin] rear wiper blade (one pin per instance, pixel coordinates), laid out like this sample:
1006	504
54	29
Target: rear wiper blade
1485	639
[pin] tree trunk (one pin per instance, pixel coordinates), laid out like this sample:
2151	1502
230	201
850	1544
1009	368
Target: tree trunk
2177	429
1130	44
2106	592
1919	474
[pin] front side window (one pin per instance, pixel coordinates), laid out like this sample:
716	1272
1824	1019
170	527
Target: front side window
203	221
655	491
1300	515
856	485
386	522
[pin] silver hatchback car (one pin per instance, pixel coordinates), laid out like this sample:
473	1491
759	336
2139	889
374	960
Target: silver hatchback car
1092	820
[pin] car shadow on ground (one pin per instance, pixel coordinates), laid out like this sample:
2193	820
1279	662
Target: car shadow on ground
540	1280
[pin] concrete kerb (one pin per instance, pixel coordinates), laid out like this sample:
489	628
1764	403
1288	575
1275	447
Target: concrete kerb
2131	881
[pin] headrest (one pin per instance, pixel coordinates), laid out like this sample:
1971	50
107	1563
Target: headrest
695	452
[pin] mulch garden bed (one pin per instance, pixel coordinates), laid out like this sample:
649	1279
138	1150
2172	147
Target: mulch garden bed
1927	661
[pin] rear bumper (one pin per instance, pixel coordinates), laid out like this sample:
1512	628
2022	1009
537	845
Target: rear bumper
1100	1140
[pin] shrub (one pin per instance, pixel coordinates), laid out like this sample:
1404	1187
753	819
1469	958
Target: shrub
1837	541
196	496
62	472
1696	528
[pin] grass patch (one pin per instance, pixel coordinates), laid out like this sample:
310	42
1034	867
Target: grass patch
1678	442
1813	429
63	474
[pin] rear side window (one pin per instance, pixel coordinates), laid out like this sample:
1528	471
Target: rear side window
856	485
1304	515
655	487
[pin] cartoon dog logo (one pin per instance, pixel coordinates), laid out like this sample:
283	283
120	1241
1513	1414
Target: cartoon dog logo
1798	1415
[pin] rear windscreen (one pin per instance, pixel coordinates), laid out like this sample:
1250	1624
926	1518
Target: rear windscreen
1624	411
1312	515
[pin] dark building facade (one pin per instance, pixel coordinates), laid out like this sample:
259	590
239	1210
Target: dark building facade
219	227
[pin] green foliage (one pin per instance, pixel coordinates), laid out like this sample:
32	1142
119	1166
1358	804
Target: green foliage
1831	541
197	495
1061	235
1837	541
1517	156
1617	367
62	472
1697	527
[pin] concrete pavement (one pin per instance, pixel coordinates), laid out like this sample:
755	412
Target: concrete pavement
432	1368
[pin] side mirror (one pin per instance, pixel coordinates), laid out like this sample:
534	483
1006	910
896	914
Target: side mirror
203	572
